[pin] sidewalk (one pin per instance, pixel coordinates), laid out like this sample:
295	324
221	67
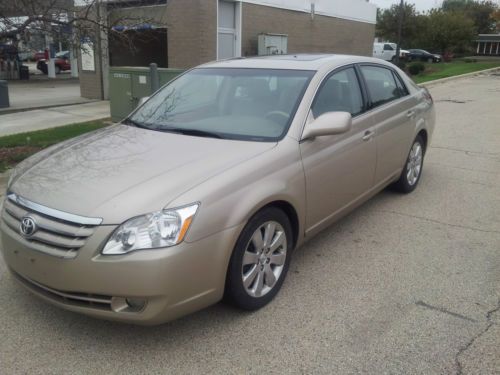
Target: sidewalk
38	119
40	92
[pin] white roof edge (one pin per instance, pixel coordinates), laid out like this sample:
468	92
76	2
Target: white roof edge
355	10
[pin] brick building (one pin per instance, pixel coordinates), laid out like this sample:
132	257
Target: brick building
185	33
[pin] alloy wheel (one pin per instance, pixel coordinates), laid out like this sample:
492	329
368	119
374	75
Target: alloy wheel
264	259
414	165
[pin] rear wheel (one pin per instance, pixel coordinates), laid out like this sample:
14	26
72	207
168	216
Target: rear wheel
260	260
410	176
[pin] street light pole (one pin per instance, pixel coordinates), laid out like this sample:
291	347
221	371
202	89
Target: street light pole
400	28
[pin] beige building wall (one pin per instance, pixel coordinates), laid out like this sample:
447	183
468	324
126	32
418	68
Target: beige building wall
192	34
305	34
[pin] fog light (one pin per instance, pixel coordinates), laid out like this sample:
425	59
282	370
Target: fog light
135	304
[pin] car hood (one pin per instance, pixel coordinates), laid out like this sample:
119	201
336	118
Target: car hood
123	171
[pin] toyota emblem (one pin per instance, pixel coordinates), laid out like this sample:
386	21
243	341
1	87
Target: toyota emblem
28	226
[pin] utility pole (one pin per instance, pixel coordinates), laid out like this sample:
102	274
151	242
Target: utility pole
400	28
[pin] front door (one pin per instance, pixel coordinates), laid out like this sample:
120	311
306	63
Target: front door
227	33
339	169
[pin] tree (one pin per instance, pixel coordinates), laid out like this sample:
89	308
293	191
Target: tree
446	31
496	18
73	20
480	12
387	24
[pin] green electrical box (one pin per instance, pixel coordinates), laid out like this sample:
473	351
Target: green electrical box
127	85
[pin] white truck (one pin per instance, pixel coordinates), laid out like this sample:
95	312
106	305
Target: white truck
387	51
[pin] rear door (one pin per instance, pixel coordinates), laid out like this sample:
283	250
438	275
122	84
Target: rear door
393	112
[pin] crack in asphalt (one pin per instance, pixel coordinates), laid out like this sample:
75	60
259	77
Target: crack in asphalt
469	152
456	101
462	168
440	222
468	344
445	311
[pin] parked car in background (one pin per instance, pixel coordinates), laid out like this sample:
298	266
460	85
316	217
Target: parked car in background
210	185
62	63
39	55
423	55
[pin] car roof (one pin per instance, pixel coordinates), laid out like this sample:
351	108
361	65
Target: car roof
293	62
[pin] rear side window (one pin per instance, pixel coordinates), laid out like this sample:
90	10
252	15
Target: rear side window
381	85
339	93
403	91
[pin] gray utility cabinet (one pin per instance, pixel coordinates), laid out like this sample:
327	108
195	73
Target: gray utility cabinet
272	44
4	94
127	85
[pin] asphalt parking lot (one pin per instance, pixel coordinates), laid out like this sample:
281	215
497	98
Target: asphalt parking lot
403	285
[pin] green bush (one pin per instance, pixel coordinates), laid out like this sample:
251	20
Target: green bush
469	60
401	65
415	68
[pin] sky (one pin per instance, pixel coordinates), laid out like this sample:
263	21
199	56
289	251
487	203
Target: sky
421	5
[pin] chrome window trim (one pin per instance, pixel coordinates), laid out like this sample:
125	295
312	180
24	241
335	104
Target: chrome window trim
77	219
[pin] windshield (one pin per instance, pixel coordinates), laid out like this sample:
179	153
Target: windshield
233	103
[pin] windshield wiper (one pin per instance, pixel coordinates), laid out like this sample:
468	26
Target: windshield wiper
135	123
195	132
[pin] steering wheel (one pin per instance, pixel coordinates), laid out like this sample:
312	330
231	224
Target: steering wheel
274	114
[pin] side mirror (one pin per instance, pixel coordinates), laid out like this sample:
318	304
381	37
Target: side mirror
142	100
329	123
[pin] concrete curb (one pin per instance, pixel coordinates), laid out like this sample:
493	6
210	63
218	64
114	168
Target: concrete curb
447	79
4	177
8	111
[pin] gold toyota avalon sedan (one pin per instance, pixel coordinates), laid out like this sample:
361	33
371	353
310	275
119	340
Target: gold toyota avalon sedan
207	188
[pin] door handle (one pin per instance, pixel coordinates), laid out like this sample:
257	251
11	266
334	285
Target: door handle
410	113
368	135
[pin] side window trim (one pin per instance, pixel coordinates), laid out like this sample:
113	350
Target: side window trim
360	85
401	82
395	76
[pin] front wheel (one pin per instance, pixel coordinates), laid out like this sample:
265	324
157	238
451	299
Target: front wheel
430	60
412	171
260	260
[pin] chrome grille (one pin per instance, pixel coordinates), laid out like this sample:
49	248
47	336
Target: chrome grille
54	236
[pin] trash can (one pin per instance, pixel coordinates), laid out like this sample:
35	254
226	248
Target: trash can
24	72
4	94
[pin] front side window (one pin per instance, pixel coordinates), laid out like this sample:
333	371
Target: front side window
339	93
232	103
388	47
381	85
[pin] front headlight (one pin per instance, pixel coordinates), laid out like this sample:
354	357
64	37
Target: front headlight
157	229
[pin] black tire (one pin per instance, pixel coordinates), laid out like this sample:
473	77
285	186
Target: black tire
403	185
430	60
235	291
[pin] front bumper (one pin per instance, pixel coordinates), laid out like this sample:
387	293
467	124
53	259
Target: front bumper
174	281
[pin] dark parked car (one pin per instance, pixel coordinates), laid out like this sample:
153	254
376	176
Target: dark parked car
422	55
61	63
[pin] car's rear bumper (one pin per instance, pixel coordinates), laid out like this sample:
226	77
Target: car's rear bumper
173	281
